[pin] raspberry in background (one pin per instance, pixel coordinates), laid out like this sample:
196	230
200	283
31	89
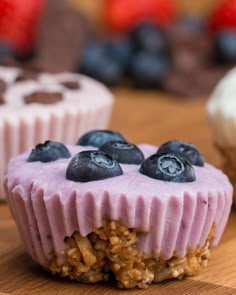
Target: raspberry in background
18	23
122	15
224	16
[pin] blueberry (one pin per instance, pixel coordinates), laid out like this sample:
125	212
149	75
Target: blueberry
186	150
120	50
6	54
92	165
123	152
149	37
48	151
97	64
168	167
6	50
97	138
148	70
225	46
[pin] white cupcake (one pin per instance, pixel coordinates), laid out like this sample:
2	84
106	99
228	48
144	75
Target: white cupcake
221	110
58	107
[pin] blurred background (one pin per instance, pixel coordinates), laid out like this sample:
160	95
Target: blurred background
179	47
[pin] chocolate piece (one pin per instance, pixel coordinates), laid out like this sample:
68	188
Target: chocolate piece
62	34
191	53
44	97
199	82
2	101
190	46
3	86
72	85
186	59
193	74
27	75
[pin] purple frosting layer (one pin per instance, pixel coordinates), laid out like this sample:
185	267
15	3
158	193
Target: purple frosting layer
175	217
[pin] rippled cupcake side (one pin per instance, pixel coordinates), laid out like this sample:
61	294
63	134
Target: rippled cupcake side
170	231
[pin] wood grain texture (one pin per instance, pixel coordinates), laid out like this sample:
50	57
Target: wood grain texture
143	116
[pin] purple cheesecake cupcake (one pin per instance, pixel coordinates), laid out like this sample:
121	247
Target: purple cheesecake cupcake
107	208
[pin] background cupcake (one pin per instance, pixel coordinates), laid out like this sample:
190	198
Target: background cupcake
37	107
221	111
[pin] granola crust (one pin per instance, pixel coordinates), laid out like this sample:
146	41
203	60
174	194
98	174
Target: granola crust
229	165
112	249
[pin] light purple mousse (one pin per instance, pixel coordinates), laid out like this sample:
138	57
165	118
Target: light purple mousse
174	217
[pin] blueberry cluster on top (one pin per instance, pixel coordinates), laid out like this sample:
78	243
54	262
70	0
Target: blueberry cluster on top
104	162
173	161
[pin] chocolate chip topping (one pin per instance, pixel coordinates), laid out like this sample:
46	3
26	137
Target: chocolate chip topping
2	101
3	86
72	85
44	97
27	75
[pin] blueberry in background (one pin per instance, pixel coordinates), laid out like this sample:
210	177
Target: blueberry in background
7	54
92	165
48	151
186	150
143	55
148	69
149	37
98	64
225	46
168	167
97	138
123	152
92	53
6	51
120	50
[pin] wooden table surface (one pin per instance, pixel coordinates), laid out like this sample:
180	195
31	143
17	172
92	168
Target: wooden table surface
143	117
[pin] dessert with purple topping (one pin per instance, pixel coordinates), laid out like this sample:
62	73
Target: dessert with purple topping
141	213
